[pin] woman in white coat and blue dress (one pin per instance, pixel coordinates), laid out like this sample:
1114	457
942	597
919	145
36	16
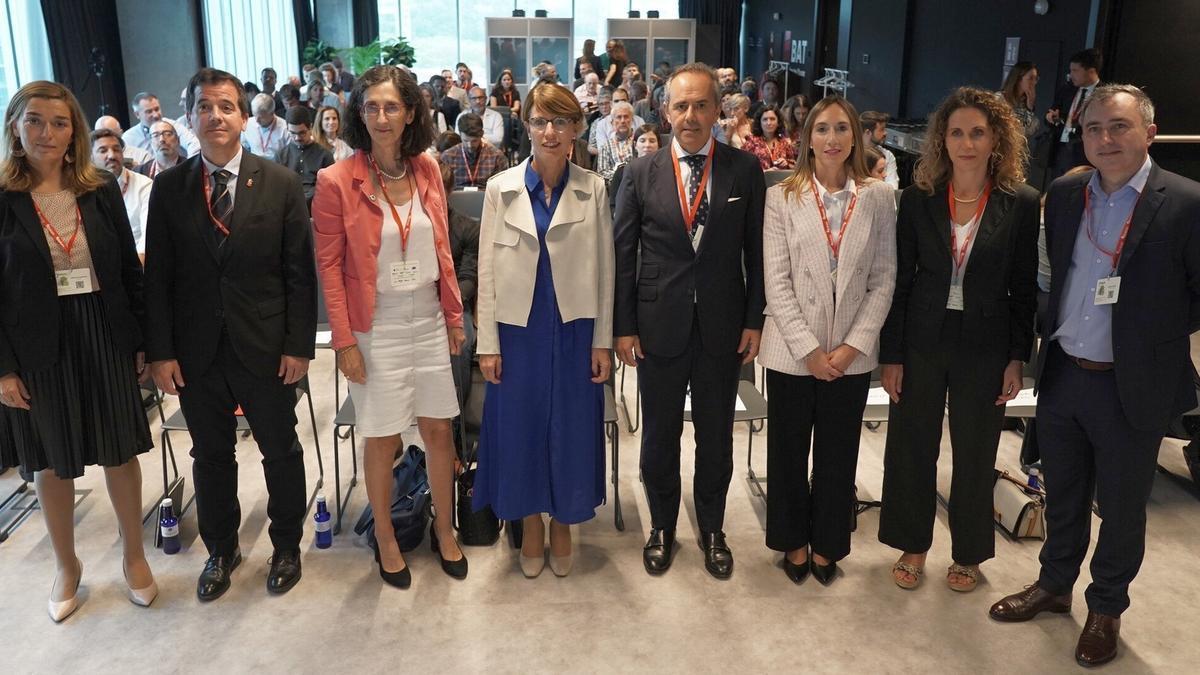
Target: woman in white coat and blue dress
829	249
545	304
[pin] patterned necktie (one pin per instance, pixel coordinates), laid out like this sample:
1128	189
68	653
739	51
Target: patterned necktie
221	202
696	162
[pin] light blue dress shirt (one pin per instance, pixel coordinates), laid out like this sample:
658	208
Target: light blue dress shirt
1084	329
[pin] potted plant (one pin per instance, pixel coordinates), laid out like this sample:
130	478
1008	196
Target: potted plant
398	52
362	57
317	52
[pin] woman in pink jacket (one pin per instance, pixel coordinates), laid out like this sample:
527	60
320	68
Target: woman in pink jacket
383	252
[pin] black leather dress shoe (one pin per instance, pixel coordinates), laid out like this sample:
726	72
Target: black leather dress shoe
824	573
718	559
214	580
285	571
455	568
796	572
659	550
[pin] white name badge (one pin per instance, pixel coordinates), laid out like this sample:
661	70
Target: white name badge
955	300
1108	290
470	188
833	278
696	239
73	282
405	273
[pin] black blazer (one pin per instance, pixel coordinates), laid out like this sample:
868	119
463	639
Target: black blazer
655	302
29	329
451	109
1159	304
999	286
1062	102
261	285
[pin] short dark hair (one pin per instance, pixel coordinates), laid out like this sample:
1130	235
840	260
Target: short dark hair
418	135
141	96
289	92
1088	59
756	125
299	115
107	133
870	119
446	140
266	70
436	78
470	125
206	77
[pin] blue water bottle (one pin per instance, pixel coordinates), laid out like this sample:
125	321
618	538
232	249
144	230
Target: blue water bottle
1034	482
169	526
324	524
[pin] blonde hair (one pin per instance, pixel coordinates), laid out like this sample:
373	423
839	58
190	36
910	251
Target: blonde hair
1007	163
856	165
79	174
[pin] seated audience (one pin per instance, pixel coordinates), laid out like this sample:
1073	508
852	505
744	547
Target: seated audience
505	92
645	142
619	146
267	133
876	163
166	149
768	142
736	126
473	160
436	116
107	153
449	106
583	68
493	122
602	128
794	111
148	111
587	92
317	98
303	154
874	126
133	156
328	130
464	248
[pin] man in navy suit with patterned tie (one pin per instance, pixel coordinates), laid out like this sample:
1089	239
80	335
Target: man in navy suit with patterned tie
687	316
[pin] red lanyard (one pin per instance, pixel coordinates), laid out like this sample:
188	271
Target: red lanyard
470	174
404	225
208	202
690	210
67	246
154	169
1087	214
960	256
835	245
266	143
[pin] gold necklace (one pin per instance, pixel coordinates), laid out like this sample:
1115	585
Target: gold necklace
970	201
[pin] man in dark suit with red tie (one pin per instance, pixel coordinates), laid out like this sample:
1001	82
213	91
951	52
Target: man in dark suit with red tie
688	318
231	305
1066	142
1115	367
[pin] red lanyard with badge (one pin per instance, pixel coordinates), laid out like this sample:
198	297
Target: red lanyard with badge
265	143
1108	289
835	244
955	299
67	245
690	210
470	174
70	281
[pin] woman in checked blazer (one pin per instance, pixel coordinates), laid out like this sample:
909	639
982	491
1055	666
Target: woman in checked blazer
829	246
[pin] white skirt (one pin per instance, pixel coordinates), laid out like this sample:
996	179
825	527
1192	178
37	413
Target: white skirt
407	357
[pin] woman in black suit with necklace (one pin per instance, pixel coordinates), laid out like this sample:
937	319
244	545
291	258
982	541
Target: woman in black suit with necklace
961	324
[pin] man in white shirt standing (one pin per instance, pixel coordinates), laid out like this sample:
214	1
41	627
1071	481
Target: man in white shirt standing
1063	116
108	153
148	111
493	123
874	126
267	134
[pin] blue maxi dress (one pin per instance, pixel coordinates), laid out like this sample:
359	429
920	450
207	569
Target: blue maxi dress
541	447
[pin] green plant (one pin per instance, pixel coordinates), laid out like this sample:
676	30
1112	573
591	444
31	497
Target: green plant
362	57
317	52
398	52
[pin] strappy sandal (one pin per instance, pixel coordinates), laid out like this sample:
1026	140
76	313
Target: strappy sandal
915	571
970	572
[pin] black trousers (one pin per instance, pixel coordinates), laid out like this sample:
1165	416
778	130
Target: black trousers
972	381
208	401
1090	448
664	382
803	410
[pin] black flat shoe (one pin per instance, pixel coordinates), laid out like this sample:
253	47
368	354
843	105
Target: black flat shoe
718	559
285	571
824	573
796	572
455	568
401	579
215	578
658	551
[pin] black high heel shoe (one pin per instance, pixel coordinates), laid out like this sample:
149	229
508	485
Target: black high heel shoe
401	579
797	572
824	573
455	568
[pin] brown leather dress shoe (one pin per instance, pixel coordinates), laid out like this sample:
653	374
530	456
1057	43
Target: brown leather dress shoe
1098	641
1029	603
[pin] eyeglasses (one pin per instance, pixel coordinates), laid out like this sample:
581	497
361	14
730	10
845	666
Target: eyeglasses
163	134
560	123
390	110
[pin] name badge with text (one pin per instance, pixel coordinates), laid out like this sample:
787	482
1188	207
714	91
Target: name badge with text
405	273
1108	290
73	282
955	300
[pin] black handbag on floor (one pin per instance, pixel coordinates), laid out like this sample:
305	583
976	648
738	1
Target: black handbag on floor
410	503
475	528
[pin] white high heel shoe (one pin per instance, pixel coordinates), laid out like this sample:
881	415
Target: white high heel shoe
60	610
562	566
531	567
142	597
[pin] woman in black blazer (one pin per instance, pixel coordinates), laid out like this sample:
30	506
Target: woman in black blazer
961	324
70	336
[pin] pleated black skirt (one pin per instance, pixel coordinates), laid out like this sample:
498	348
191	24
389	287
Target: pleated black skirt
86	409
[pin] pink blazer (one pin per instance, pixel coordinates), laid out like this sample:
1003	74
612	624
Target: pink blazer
348	220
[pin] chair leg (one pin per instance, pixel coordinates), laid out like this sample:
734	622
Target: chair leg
337	481
614	434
